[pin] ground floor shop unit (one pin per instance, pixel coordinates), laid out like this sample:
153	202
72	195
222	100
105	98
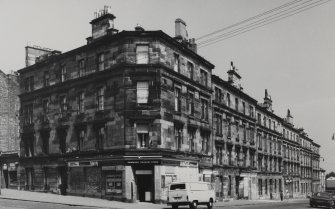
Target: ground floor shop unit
130	179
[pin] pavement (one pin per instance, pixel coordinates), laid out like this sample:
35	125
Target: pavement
101	203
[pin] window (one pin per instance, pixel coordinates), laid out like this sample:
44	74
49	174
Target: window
100	134
178	136
142	91
45	107
63	104
81	138
101	62
63	73
190	68
218	94
259	120
61	134
228	100
81	66
190	105
243	106
203	77
204	109
142	54
177	99
29	83
100	98
205	141
28	114
251	111
142	135
45	141
229	128
46	79
269	123
176	64
191	137
236	104
218	124
260	187
219	155
264	121
29	145
81	102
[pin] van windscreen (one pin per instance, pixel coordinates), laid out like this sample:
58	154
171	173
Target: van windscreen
177	186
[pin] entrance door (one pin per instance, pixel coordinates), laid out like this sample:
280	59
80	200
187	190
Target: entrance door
63	180
145	186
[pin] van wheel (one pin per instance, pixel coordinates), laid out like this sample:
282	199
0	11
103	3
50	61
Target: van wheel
210	204
174	206
194	205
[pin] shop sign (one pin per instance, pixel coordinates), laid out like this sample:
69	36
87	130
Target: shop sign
4	167
73	164
143	172
83	164
143	162
114	184
188	164
113	167
215	172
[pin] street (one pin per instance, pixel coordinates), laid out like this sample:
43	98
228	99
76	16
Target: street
19	204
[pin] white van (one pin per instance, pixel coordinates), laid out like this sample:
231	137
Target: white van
191	193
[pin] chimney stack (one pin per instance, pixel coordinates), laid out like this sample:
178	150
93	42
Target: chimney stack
102	24
180	30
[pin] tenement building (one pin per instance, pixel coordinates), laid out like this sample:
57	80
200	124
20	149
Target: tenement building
130	112
9	129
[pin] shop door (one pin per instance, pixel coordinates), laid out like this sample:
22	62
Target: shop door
63	180
145	186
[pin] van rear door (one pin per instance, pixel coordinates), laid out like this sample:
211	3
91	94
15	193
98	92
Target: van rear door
177	192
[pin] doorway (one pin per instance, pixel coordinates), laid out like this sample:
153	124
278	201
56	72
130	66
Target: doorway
145	185
62	180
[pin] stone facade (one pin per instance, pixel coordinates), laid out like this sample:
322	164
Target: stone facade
9	128
132	111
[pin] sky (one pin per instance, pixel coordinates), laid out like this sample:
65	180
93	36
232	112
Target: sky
293	58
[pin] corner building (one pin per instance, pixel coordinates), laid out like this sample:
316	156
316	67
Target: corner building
132	111
119	118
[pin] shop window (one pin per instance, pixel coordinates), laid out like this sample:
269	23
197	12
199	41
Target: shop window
142	135
260	187
12	177
142	91
142	54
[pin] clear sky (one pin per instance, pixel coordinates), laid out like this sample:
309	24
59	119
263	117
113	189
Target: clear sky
293	58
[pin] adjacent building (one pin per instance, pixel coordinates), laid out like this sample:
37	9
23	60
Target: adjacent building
132	111
9	129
